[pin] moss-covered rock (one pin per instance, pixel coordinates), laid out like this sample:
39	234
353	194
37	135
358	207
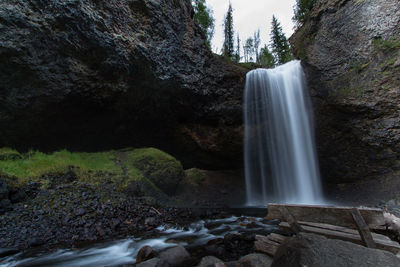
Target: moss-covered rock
160	168
145	171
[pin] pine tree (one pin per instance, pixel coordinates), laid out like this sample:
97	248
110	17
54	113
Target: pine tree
302	11
257	42
266	59
228	46
279	43
203	17
237	54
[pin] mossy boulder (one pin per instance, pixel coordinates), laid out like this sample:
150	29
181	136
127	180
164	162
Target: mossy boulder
160	168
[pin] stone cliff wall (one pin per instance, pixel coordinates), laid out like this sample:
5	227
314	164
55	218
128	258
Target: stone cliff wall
350	50
92	75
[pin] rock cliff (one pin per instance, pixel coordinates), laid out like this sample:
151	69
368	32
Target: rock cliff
92	75
350	50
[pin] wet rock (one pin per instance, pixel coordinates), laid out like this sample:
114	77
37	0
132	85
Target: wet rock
210	261
148	67
254	260
176	256
349	51
155	262
144	254
314	250
3	189
4	252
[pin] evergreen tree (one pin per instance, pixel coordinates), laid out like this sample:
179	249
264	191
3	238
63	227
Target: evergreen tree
266	59
249	49
203	17
237	54
228	46
302	11
257	42
279	43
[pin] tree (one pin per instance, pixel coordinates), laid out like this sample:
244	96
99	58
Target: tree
248	49
237	54
302	11
279	43
228	46
266	59
257	42
203	17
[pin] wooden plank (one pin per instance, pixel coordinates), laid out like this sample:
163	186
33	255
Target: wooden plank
388	245
290	219
265	239
342	229
363	229
340	216
278	238
266	248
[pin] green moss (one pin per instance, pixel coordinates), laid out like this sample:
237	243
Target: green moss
195	176
160	168
36	164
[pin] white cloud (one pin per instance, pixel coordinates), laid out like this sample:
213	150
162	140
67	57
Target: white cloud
250	15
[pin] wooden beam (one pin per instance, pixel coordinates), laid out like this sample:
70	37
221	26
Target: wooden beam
342	229
340	216
363	229
388	245
278	238
266	248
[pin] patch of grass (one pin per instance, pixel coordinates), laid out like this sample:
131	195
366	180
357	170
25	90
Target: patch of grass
7	153
386	45
36	164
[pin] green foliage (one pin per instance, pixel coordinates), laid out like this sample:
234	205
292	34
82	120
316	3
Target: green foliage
279	43
36	164
266	59
8	153
302	10
204	18
228	46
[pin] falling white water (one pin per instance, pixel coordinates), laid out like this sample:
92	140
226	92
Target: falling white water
279	148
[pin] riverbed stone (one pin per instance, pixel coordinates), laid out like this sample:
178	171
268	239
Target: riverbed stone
154	262
175	256
210	261
255	260
144	254
313	250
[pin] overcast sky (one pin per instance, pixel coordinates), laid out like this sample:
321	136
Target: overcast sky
250	15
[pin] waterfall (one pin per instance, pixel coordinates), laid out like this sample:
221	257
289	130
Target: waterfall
279	148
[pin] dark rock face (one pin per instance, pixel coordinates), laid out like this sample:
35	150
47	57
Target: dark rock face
91	75
351	54
314	250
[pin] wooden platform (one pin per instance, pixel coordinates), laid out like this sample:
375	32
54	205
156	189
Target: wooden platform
344	223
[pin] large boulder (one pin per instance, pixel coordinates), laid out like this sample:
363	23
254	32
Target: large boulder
93	75
176	256
316	251
350	51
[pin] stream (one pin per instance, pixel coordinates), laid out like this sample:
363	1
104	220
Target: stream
122	252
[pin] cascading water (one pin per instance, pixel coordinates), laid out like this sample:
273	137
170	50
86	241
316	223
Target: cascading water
279	149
